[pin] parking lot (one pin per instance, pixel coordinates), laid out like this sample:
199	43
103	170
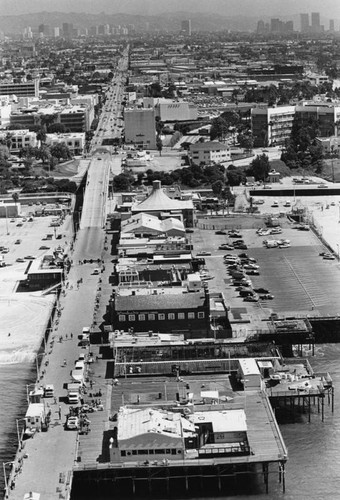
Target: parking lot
298	277
24	236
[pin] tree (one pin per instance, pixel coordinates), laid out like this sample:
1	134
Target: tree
41	134
219	129
123	182
15	197
44	154
259	167
56	128
61	151
245	141
217	187
159	145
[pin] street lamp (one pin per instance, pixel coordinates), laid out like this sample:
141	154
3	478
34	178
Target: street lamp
17	420
5	476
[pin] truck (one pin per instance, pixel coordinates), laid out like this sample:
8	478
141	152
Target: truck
73	393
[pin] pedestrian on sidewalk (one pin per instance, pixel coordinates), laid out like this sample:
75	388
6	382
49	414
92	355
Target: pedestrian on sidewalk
59	411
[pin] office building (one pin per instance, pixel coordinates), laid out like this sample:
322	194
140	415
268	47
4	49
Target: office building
304	21
68	30
186	27
272	126
140	127
316	27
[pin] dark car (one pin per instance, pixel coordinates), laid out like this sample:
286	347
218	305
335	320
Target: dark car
261	290
267	296
243	255
241	246
220	232
225	246
189	230
246	293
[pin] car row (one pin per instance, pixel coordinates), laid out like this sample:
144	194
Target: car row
240	268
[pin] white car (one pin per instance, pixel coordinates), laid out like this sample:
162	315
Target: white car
72	423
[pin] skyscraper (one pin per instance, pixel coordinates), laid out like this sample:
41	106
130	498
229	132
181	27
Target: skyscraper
186	26
304	21
316	28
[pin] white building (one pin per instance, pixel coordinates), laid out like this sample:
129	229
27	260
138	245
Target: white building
209	152
20	139
74	141
145	224
272	125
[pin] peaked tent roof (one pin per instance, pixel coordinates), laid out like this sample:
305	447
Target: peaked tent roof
158	200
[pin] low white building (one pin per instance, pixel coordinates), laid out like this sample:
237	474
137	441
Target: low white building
209	152
75	141
20	139
146	224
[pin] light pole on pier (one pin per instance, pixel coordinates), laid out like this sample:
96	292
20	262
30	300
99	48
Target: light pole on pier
4	464
17	420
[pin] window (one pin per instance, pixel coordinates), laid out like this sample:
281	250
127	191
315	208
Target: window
168	452
191	315
201	315
160	452
181	316
151	317
161	317
134	452
141	317
142	452
132	317
121	317
171	316
123	453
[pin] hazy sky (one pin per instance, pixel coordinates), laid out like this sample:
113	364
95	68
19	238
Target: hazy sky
327	8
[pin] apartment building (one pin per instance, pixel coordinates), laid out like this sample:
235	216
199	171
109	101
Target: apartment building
271	126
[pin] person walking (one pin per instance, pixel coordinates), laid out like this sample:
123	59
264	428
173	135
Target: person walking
59	411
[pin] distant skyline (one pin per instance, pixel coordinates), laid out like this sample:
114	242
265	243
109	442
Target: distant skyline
248	8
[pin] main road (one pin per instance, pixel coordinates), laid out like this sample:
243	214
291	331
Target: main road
45	463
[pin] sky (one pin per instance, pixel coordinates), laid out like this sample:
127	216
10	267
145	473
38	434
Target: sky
253	8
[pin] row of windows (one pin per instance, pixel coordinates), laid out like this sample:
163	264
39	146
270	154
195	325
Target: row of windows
167	451
160	316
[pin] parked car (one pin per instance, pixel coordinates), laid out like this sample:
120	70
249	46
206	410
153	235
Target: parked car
72	423
17	242
225	246
241	246
203	253
20	259
261	290
251	266
252	272
267	296
329	256
220	232
251	298
246	293
29	257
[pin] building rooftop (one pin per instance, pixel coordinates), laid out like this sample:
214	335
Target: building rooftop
159	301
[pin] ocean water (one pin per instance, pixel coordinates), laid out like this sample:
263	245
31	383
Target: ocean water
313	468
